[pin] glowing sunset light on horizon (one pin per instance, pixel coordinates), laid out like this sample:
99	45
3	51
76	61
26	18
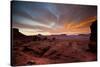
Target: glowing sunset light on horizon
32	18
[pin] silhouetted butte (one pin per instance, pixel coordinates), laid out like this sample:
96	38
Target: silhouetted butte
93	37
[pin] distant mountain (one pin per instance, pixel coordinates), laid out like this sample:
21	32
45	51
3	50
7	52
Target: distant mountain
93	37
16	35
64	37
93	28
16	32
84	35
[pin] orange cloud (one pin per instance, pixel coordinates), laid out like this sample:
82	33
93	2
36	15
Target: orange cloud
82	27
85	22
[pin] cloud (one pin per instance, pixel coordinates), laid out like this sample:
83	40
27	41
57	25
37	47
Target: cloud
50	18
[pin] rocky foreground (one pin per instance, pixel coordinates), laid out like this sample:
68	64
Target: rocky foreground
36	50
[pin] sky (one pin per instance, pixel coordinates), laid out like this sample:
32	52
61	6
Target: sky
32	18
